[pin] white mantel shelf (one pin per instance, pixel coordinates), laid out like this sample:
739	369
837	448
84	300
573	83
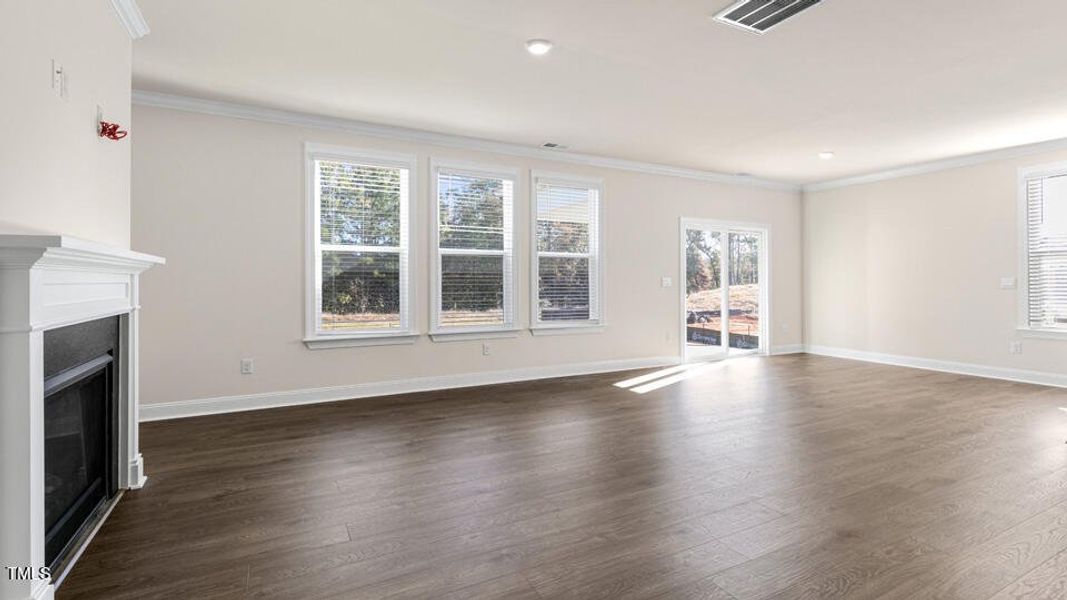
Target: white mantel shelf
73	244
50	281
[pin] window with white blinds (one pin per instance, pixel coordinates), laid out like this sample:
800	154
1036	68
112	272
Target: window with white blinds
475	250
566	264
1045	193
360	249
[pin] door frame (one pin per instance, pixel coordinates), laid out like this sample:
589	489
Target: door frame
765	273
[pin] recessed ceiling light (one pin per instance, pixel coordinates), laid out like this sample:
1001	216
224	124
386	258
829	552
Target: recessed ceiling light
827	155
538	47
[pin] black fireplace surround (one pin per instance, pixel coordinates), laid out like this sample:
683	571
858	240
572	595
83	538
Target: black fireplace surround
80	427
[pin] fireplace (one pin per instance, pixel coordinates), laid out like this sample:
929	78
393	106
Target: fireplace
80	426
69	314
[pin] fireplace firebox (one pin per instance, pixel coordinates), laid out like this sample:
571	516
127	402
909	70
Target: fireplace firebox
80	426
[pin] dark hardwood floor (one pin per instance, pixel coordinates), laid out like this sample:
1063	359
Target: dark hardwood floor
785	477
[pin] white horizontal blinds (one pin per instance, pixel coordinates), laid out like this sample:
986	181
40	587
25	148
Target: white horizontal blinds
474	232
1046	209
567	252
362	247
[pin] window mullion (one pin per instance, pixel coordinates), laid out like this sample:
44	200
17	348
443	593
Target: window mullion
470	252
564	254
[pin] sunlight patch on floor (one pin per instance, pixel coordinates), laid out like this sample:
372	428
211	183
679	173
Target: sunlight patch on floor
664	377
627	383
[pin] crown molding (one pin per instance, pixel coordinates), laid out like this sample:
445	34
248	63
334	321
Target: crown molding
299	119
941	165
130	16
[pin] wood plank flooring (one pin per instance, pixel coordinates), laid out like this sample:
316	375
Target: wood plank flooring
785	477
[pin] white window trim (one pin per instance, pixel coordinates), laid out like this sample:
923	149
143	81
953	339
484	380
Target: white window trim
1023	288
460	336
439	333
313	338
571	329
537	327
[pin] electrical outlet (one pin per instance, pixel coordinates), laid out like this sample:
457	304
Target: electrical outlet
486	350
785	326
666	282
1015	348
1007	283
248	366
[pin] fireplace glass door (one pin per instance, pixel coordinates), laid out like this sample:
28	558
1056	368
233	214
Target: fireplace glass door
78	457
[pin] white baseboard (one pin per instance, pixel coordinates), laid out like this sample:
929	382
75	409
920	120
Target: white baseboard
1020	375
135	477
227	404
788	349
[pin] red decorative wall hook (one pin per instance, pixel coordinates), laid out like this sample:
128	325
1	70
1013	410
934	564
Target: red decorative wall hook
111	131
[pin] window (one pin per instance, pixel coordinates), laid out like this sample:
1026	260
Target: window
358	263
473	236
1043	207
566	257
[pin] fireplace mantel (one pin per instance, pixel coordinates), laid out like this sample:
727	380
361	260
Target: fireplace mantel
49	281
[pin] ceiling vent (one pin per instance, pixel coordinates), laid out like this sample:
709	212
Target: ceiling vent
554	146
759	16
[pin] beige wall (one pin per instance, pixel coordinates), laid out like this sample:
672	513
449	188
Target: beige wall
56	175
223	199
912	267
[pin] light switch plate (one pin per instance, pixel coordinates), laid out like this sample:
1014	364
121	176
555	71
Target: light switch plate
1007	283
666	282
59	80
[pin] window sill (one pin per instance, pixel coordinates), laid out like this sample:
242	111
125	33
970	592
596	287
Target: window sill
1048	334
572	329
460	336
324	342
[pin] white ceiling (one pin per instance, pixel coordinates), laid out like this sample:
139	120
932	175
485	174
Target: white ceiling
881	83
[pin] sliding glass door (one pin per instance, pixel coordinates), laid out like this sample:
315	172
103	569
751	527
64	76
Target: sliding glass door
743	293
723	299
703	291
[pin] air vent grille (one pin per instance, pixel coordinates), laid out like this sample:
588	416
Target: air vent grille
759	16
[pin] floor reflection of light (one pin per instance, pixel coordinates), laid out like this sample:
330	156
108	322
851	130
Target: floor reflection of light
689	373
664	377
649	377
